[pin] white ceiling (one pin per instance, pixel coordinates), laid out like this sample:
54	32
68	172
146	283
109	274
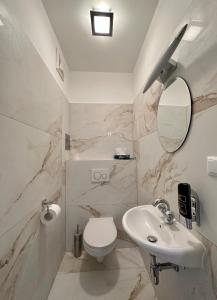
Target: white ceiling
84	52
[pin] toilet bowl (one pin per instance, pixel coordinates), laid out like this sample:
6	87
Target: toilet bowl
99	238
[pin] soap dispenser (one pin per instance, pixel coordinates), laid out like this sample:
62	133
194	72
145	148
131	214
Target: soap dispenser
189	206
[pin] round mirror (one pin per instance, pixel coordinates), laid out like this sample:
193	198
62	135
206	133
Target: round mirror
174	115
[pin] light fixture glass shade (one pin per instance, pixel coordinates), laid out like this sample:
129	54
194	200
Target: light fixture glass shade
102	24
192	33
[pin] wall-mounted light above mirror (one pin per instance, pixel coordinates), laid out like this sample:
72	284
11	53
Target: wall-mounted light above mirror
174	115
165	66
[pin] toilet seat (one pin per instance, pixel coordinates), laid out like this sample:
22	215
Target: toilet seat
100	233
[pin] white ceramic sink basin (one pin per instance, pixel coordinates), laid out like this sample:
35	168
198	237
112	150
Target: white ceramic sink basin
175	243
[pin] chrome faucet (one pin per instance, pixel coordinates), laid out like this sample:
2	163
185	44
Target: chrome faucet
164	207
162	204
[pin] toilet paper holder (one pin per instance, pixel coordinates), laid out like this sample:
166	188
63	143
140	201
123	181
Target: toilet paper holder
45	206
50	211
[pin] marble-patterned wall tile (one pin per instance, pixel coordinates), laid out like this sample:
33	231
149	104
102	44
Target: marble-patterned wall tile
145	111
204	102
31	160
44	257
159	173
147	101
31	168
30	163
97	129
27	264
146	106
121	189
28	93
14	246
85	199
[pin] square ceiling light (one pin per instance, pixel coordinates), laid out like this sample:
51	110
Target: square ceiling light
101	23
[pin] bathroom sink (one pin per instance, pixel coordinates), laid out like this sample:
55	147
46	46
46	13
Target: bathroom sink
172	243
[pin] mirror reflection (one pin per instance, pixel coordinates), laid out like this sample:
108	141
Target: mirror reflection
174	115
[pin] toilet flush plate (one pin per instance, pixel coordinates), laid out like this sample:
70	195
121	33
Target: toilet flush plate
100	175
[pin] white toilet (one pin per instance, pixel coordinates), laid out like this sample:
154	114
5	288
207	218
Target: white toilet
99	238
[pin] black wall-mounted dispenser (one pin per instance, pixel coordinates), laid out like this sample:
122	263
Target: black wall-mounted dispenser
189	206
184	198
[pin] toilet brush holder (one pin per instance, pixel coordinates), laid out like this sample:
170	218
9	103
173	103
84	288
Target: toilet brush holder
77	242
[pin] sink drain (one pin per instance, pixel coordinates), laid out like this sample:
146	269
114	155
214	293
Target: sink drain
152	238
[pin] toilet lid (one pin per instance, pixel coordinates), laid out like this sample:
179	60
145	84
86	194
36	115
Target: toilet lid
100	232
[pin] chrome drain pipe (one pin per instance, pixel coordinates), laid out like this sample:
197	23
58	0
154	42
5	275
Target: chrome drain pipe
156	268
